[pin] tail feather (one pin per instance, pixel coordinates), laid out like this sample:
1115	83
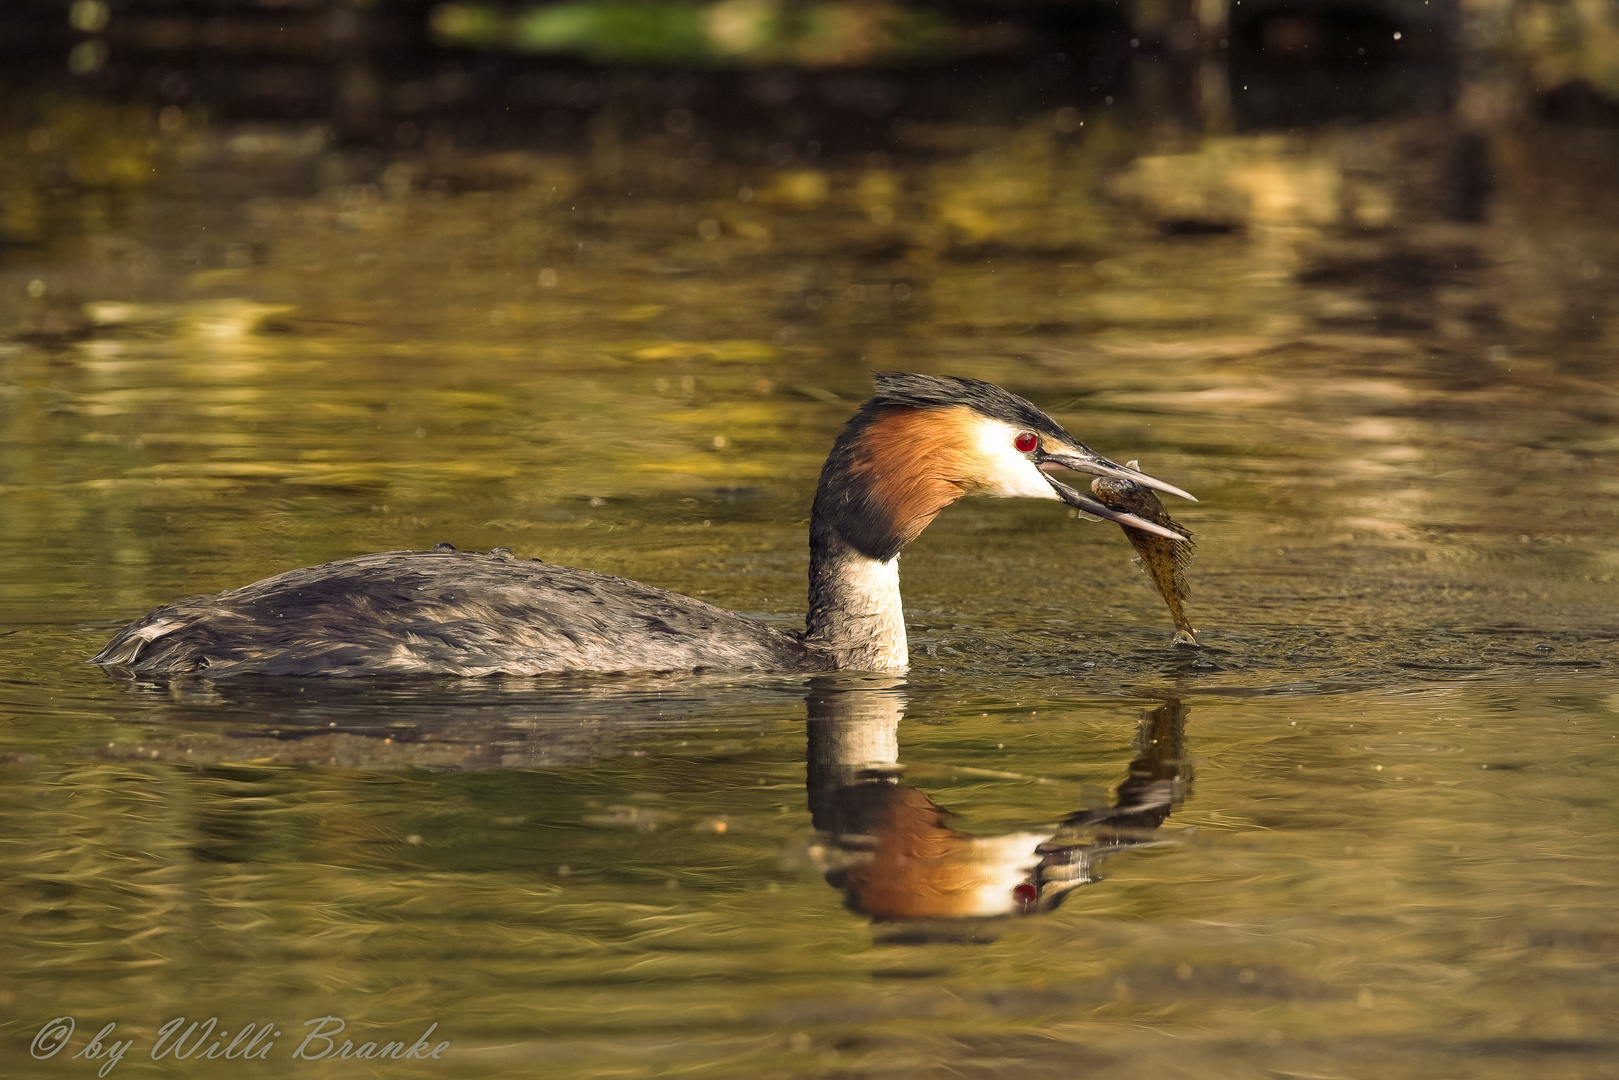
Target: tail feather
125	649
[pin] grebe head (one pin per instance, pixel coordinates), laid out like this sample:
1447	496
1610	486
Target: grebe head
922	442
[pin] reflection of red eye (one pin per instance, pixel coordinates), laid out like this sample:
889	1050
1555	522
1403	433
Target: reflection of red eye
1025	442
1027	894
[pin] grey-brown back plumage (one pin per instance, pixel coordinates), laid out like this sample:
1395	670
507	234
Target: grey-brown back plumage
452	613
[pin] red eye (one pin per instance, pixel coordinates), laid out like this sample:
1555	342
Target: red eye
1026	442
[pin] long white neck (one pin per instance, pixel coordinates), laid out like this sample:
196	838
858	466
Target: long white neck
855	612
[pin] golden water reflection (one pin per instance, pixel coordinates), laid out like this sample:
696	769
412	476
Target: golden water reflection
1352	869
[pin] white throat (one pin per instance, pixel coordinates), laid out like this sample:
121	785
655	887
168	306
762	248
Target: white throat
855	610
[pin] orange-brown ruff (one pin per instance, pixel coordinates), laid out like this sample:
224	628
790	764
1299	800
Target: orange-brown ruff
917	446
917	462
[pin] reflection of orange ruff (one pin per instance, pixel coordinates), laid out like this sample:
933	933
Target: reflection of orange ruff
921	869
918	462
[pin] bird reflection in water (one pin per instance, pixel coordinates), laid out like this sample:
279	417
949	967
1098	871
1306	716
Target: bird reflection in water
889	847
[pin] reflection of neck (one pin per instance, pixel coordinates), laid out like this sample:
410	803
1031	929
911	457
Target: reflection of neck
895	855
892	851
853	738
855	611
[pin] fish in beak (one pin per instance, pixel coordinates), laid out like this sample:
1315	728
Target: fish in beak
1083	459
1166	563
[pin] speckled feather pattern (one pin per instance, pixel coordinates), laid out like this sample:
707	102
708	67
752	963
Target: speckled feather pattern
450	613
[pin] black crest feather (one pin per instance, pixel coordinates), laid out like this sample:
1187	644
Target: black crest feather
899	388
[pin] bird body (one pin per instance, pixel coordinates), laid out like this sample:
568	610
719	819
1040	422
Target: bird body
918	445
450	613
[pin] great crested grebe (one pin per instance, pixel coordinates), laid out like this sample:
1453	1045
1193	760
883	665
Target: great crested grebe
917	446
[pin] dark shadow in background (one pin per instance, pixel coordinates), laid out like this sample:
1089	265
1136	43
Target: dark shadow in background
379	76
